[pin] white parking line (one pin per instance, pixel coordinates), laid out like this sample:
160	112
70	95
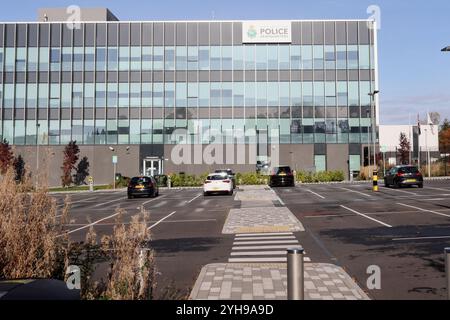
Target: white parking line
89	225
84	200
314	193
257	259
264	242
407	192
365	216
264	234
285	246
362	193
424	210
193	198
440	189
259	253
421	238
154	199
161	220
265	238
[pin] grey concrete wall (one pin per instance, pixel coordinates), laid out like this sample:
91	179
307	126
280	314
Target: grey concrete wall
87	14
337	156
301	158
100	160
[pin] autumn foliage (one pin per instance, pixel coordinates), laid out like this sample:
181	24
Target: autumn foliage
71	152
6	156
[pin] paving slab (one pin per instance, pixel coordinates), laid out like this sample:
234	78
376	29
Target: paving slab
269	282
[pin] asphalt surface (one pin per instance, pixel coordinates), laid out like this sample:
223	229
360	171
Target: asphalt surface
403	231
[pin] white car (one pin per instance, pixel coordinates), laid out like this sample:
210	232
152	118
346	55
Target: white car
216	182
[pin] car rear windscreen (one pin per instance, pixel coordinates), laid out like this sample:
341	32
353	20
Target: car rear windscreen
408	170
282	170
215	177
140	180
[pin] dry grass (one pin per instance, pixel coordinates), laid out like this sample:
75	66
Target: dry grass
34	244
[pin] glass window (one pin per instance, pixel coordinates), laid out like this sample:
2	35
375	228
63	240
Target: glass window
261	57
204	94
192	94
272	54
66	95
249	57
250	89
330	93
8	131
43	95
112	95
352	57
44	56
307	57
67	59
10	59
20	95
307	94
135	58
181	58
89	91
89	59
146	131
77	95
295	57
19	132
238	58
364	57
100	131
169	56
135	131
284	93
55	59
227	60
158	95
341	57
1	69
100	95
330	57
364	93
113	57
272	94
89	132
192	58
31	95
78	57
124	95
77	131
319	94
124	58
135	95
296	94
353	93
227	94
238	94
283	57
123	130
111	131
146	95
169	95
342	94
66	130
147	58
215	58
158	58
261	94
21	59
181	94
101	59
215	94
33	54
204	58
318	57
31	136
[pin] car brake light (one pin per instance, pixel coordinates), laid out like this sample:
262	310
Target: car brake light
400	174
226	181
207	181
419	174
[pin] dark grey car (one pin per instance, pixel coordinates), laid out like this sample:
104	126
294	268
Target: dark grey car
404	175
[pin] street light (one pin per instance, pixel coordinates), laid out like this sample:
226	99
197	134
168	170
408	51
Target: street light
38	125
374	137
115	167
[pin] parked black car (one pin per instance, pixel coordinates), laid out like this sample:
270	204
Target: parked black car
142	186
404	175
230	175
282	177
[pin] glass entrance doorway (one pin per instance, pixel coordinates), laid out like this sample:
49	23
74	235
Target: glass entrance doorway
152	167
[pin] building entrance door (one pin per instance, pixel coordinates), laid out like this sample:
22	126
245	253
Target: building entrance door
152	167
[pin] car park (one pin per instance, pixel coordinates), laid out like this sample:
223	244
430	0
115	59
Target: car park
142	186
282	177
229	173
404	175
217	183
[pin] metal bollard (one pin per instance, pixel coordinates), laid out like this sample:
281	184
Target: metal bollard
375	181
295	274
447	270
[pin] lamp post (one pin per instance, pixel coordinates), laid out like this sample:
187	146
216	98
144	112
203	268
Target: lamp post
38	125
374	137
114	165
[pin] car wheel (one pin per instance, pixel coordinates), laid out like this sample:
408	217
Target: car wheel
130	196
230	193
205	194
420	185
398	185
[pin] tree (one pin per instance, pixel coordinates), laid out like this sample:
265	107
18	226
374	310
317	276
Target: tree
71	152
6	156
444	140
19	168
82	171
405	148
445	125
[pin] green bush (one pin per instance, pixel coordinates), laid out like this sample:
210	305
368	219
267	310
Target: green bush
251	178
321	176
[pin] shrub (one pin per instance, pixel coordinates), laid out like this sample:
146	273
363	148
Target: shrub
321	176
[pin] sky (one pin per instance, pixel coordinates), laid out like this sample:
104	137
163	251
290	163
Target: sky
414	73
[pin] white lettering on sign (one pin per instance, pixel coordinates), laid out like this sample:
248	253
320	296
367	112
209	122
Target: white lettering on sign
266	32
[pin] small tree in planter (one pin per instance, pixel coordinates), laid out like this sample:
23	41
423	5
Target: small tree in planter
404	149
82	171
71	152
19	168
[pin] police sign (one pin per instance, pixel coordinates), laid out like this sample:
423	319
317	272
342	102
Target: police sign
266	32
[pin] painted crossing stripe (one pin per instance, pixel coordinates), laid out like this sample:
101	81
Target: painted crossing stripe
241	260
265	242
264	234
265	238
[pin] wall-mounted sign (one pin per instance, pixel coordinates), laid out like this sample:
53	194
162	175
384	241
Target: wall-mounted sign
266	32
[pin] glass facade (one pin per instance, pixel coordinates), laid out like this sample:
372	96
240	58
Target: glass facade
136	82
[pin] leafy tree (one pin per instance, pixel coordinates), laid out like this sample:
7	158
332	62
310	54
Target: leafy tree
71	152
405	148
445	125
82	171
19	168
444	138
6	156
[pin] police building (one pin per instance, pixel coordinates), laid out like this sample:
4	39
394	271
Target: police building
190	96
